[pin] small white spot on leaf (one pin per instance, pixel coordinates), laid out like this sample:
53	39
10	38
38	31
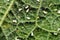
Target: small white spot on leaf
27	10
58	11
15	21
8	0
32	34
55	33
28	17
26	6
58	29
38	0
20	9
16	38
44	12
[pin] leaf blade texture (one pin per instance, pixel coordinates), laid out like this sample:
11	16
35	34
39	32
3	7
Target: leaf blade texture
29	19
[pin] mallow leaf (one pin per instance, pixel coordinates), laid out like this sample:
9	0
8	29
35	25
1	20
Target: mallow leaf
47	12
49	18
25	29
20	18
2	37
13	18
23	12
40	34
5	9
5	6
46	3
32	3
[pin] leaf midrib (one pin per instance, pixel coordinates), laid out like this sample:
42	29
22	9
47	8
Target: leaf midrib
5	14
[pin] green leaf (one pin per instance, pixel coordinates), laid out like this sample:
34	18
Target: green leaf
46	3
31	38
5	7
22	13
12	36
8	5
8	28
40	34
20	18
25	29
32	3
49	18
2	37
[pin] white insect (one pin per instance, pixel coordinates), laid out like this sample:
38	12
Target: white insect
58	11
28	17
58	29
20	9
16	38
27	10
15	21
8	0
38	0
55	33
26	6
32	34
45	12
